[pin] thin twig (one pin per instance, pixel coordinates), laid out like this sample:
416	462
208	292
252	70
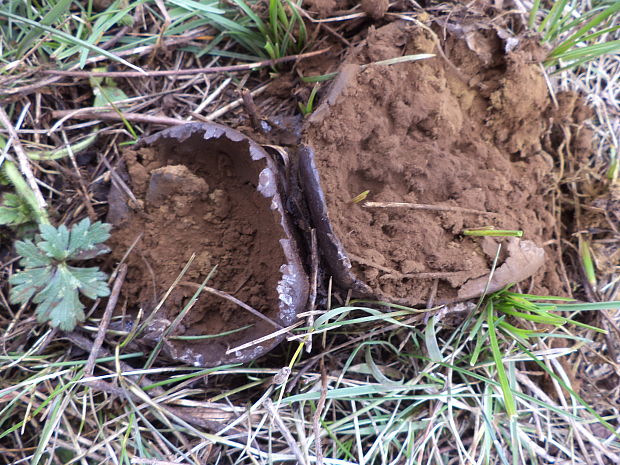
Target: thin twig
316	424
231	106
234	300
431	297
87	203
105	320
288	437
24	162
141	461
28	89
114	116
269	336
422	206
399	275
212	96
314	268
251	110
186	72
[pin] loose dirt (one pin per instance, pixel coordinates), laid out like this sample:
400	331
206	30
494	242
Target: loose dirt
205	204
464	131
326	8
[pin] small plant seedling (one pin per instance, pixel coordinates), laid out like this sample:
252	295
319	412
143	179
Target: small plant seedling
309	106
49	280
492	232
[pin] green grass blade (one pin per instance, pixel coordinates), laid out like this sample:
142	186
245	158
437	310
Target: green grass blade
559	24
549	319
509	401
53	418
430	339
613	305
589	52
50	18
533	12
561	382
320	78
203	7
578	35
260	24
552	17
70	39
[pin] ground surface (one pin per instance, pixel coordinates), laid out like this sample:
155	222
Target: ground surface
475	127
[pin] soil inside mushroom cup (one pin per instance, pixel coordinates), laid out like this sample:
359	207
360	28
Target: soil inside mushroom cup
207	190
459	141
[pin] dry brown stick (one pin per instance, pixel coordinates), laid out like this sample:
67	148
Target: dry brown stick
286	433
113	116
431	297
186	72
28	89
398	274
422	206
104	386
24	162
251	110
235	301
228	107
105	320
314	275
84	190
86	344
141	461
142	50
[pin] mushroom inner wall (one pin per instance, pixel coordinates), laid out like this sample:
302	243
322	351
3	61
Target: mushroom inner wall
200	197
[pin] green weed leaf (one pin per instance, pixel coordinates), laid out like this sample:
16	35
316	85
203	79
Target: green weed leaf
32	256
53	284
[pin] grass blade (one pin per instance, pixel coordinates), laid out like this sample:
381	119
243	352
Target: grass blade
509	400
50	18
70	39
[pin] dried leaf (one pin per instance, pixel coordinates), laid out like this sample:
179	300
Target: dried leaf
524	259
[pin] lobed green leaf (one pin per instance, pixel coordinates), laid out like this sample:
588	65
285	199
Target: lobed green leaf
50	282
56	241
32	256
28	282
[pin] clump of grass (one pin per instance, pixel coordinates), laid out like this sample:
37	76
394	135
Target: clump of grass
282	33
48	34
470	396
575	34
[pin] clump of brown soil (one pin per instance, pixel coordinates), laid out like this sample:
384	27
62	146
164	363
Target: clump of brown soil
203	198
459	131
326	8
